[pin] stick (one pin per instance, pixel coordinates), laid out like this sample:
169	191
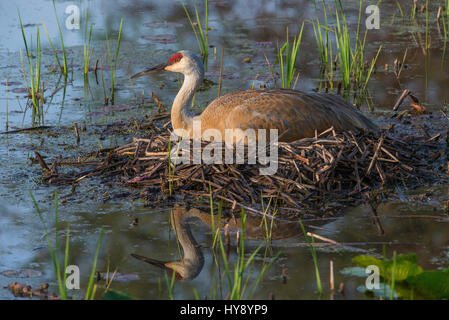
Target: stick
77	134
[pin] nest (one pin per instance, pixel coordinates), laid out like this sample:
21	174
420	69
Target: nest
321	173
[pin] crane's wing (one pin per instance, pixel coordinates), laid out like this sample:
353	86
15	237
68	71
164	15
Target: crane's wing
294	113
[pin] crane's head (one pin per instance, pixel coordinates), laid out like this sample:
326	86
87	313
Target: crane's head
184	62
183	270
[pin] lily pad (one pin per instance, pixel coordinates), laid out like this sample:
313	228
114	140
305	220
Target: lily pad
406	266
432	284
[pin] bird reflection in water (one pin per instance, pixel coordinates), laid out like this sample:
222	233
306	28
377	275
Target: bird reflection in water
192	261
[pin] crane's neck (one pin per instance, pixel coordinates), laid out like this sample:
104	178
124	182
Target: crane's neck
192	252
181	115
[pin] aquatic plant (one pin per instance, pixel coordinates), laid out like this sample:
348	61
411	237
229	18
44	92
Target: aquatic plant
404	278
170	284
427	27
354	72
91	288
54	252
400	9
86	55
310	243
34	87
288	69
201	34
114	65
413	10
62	68
324	43
238	284
269	228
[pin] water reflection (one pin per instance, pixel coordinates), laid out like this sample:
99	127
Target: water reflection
192	261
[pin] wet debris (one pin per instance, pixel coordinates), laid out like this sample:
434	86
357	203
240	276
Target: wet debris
313	173
25	291
160	106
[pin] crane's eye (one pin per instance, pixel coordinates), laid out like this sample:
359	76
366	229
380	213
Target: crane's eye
175	58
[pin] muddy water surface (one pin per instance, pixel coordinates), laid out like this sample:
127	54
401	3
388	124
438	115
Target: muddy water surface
413	221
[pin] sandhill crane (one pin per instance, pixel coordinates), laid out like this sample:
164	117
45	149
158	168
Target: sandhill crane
294	114
192	261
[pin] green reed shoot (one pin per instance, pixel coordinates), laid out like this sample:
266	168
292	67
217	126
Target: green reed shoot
321	33
54	252
237	282
114	65
169	167
170	284
90	293
310	243
87	39
393	276
34	83
427	26
195	293
269	229
367	75
343	42
413	10
212	219
201	34
400	9
447	18
61	68
352	57
288	69
444	17
64	57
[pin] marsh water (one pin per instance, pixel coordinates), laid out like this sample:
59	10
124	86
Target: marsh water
414	220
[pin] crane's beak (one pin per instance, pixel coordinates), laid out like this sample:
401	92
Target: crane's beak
159	67
154	262
160	264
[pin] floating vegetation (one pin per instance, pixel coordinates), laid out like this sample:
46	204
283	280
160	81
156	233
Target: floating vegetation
403	278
